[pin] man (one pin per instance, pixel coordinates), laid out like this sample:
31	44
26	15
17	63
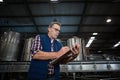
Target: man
46	48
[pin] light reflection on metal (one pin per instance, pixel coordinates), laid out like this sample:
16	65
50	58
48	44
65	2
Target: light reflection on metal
9	46
80	41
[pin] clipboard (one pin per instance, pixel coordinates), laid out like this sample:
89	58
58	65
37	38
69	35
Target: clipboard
57	60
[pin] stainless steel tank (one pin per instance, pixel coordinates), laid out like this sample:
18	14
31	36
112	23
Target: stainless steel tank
76	40
26	56
9	46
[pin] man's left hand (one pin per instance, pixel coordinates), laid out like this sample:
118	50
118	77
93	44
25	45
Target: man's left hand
75	50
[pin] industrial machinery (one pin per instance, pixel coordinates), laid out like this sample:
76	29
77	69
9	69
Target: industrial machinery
26	54
9	46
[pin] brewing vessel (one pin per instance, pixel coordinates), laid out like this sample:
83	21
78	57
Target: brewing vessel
9	47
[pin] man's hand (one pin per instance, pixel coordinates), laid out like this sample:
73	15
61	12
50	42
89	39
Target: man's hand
75	50
62	51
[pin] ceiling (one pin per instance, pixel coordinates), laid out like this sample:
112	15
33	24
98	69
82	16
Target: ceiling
78	18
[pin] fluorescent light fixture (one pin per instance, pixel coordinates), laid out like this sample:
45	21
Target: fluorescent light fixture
108	20
90	41
95	34
1	0
53	0
117	44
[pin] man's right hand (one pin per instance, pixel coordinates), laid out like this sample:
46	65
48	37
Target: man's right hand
62	51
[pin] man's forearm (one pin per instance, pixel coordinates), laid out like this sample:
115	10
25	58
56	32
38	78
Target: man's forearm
41	55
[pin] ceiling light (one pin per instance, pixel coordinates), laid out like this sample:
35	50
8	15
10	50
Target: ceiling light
90	41
53	0
108	20
117	44
95	34
1	0
92	38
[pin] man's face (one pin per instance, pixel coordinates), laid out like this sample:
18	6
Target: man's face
55	30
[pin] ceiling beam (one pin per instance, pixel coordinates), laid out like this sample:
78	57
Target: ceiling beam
83	14
59	15
66	25
30	13
61	1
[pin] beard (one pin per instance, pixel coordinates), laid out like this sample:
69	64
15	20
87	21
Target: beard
54	35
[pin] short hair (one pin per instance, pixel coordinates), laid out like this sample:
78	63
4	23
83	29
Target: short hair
52	23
